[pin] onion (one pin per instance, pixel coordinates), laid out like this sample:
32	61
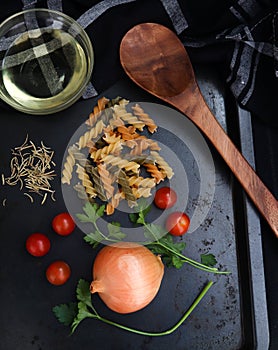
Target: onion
127	276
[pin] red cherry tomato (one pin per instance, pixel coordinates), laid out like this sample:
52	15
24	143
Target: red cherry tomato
63	224
37	244
58	273
165	197
177	223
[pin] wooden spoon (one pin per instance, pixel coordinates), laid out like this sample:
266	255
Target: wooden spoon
155	59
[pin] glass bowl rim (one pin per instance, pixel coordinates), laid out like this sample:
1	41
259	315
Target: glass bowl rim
87	46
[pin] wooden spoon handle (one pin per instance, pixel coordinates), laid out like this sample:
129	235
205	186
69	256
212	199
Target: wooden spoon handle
198	111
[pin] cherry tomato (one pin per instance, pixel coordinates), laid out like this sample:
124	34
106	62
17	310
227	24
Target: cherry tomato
63	224
37	244
58	273
165	197
177	223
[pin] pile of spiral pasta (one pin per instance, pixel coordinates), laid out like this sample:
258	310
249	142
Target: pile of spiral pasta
113	160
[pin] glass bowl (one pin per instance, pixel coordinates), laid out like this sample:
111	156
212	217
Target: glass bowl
46	62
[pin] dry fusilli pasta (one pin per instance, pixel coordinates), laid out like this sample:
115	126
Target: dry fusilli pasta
106	179
121	163
116	152
126	189
121	113
68	168
98	185
137	181
155	172
101	105
91	134
145	118
113	203
112	148
163	165
141	192
86	182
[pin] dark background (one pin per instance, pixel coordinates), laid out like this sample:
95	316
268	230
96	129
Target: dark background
106	34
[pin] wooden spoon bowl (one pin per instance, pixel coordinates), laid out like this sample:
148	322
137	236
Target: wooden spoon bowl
155	59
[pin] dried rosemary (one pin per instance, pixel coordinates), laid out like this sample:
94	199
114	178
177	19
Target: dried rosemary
32	168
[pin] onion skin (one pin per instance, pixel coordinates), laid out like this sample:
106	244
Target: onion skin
127	276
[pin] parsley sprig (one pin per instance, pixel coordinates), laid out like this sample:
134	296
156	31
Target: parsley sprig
159	241
73	313
92	212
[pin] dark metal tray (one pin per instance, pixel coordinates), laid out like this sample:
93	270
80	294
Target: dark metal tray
233	314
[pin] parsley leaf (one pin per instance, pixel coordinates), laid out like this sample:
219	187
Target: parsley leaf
168	249
154	232
177	262
208	260
83	218
92	212
133	217
143	206
83	292
66	313
169	242
93	238
83	313
115	231
144	209
100	210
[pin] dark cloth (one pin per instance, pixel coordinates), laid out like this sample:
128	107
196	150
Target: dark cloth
239	36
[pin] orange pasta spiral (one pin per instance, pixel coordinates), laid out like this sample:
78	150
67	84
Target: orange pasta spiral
155	172
101	105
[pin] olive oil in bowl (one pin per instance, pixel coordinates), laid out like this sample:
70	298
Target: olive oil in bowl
45	69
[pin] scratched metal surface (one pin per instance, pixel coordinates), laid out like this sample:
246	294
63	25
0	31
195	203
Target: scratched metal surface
232	315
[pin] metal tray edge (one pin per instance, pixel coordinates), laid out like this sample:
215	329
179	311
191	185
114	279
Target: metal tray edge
253	227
